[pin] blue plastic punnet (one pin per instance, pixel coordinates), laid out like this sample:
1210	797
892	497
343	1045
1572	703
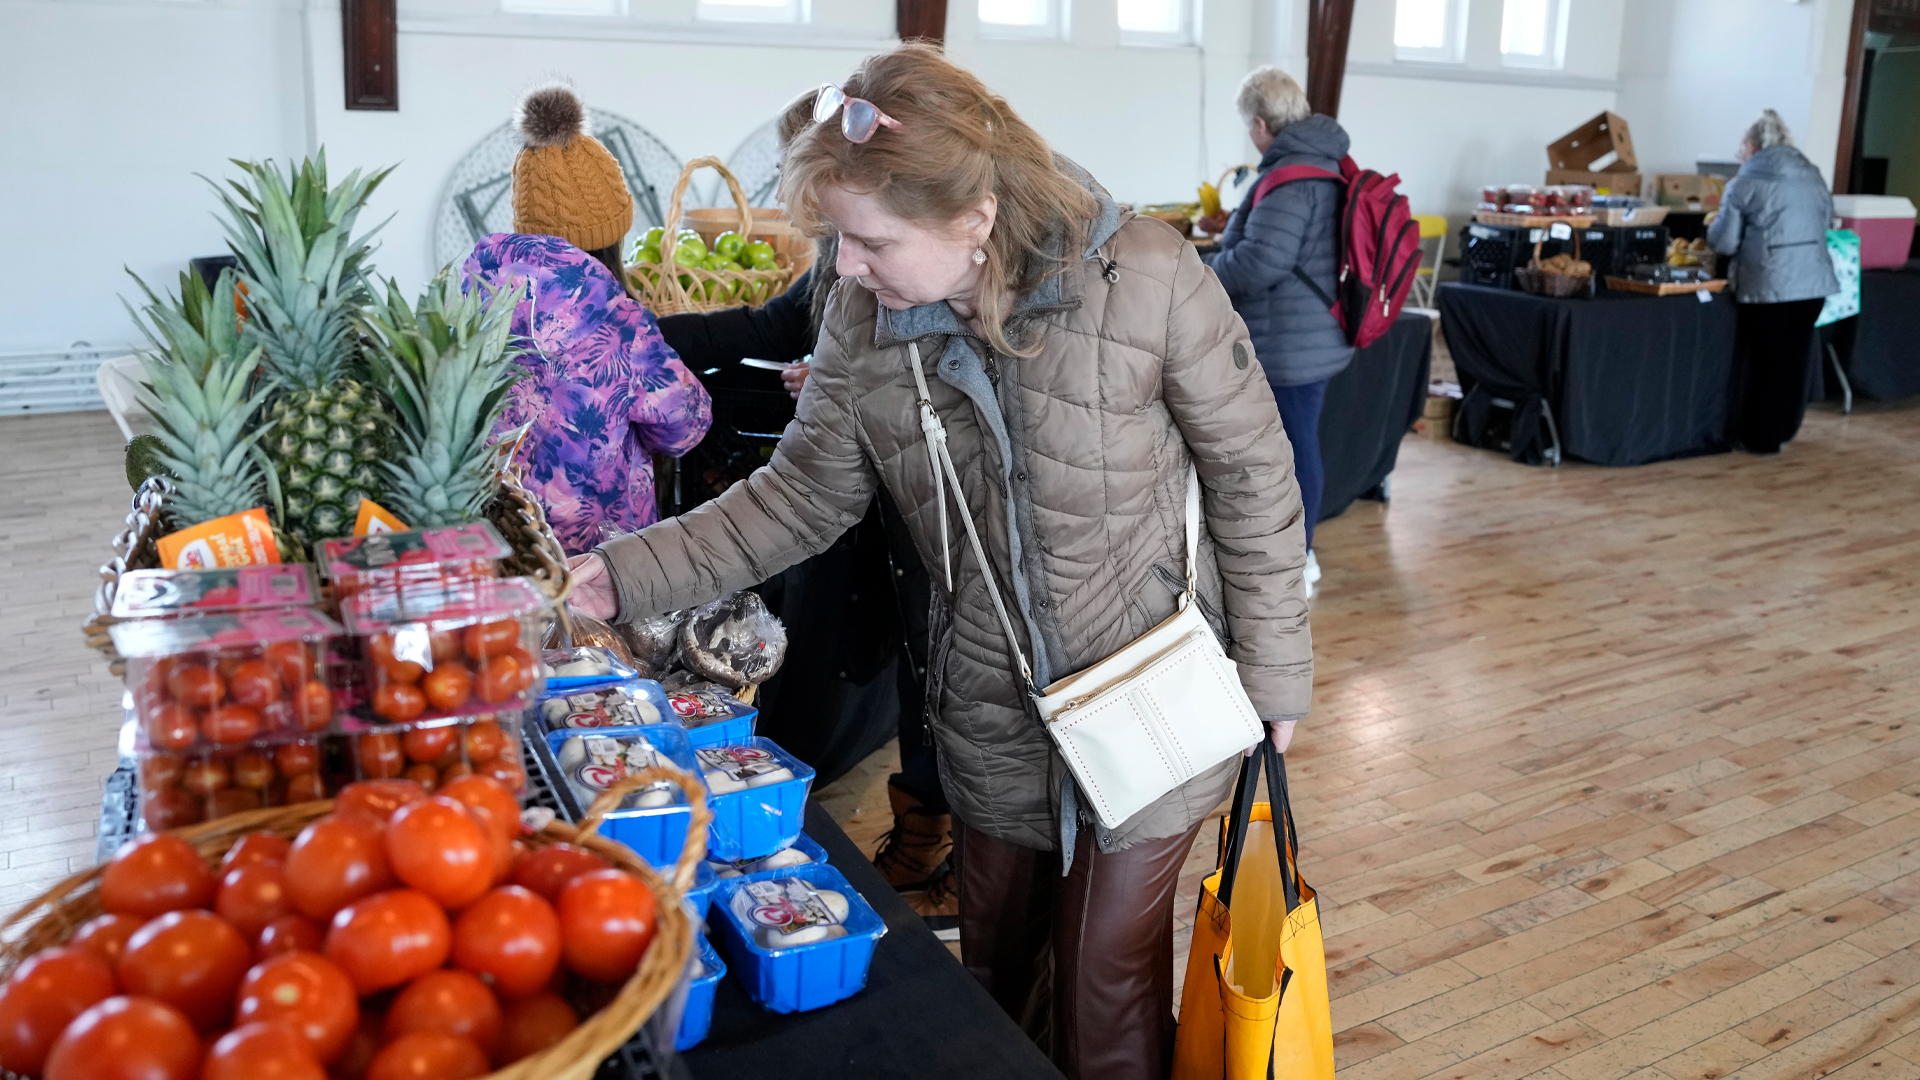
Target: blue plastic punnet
730	730
698	1016
741	867
643	700
700	897
802	977
758	820
657	834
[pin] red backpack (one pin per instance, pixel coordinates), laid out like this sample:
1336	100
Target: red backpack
1377	247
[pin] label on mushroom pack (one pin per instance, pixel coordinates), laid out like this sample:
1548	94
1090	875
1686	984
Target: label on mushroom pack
787	906
608	761
742	763
696	705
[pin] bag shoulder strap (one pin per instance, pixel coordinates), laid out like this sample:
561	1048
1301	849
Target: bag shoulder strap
1286	175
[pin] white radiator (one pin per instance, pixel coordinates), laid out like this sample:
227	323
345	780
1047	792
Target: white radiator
61	381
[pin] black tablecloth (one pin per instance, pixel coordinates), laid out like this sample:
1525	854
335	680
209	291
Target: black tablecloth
921	1014
1880	348
1370	406
1629	379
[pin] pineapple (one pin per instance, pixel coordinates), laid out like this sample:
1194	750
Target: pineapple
447	364
305	281
198	378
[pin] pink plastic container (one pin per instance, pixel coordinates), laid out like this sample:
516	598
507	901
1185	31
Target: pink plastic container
1884	224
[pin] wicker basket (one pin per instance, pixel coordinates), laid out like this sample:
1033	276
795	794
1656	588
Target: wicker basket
706	290
53	917
537	553
770	223
1542	282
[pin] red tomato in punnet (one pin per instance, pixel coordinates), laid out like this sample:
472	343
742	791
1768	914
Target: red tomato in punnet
46	992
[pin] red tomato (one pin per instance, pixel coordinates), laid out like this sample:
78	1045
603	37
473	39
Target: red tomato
105	936
191	960
170	809
548	870
230	724
438	848
253	770
288	934
292	661
479	793
380	756
606	924
206	776
173	726
153	874
454	771
428	1055
365	1043
255	848
278	716
483	741
315	705
309	994
46	992
336	860
502	678
423	774
196	685
296	758
126	1038
389	938
399	702
512	937
251	896
506	772
253	684
491	639
306	787
233	801
262	1052
377	799
161	770
427	744
533	1024
451	1002
448	686
445	645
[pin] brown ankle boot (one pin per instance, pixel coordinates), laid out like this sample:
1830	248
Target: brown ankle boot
916	850
938	904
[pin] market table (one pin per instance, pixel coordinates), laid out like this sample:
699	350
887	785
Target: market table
1370	405
921	1014
1879	348
1620	379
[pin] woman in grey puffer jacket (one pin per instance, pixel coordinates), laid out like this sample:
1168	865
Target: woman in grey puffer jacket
1277	262
1773	220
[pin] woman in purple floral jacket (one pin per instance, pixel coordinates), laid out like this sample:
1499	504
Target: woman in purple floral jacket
603	390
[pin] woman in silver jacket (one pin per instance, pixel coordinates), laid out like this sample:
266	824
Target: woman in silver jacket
1773	221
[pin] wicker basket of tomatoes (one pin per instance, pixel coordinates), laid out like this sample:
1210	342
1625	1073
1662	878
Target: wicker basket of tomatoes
384	934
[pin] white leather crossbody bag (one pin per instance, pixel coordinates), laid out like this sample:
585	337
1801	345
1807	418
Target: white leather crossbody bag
1165	708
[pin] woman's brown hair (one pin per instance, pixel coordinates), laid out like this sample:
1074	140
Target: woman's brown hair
956	144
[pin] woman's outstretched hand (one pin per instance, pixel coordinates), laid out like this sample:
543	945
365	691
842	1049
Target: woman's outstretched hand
593	592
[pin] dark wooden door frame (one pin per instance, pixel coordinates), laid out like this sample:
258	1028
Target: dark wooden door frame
922	20
1893	16
371	54
1329	23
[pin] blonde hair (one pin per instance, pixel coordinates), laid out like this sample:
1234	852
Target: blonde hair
1269	94
957	143
1768	131
795	118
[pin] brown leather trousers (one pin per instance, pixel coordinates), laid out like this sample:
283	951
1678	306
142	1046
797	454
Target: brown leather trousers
1084	962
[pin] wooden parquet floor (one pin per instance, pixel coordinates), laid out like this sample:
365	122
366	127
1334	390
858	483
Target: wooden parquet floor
1611	773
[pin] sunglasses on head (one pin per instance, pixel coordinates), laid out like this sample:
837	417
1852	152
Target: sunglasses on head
859	118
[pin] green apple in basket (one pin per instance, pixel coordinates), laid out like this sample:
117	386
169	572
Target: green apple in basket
690	252
649	254
728	244
754	253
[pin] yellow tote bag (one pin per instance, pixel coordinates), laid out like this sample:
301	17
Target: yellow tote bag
1255	1002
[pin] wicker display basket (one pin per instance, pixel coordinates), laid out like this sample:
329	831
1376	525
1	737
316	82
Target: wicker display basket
52	918
537	553
1543	282
770	223
660	287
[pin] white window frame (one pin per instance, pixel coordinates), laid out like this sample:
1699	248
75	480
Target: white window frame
1187	34
788	11
1453	50
1556	55
568	8
1055	28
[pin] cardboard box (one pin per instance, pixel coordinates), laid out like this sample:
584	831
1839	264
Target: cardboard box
1582	149
1606	183
1688	191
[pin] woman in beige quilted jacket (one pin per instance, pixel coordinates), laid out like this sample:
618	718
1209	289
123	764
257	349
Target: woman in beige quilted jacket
1080	357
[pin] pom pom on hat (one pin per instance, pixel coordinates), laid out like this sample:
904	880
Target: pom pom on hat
550	116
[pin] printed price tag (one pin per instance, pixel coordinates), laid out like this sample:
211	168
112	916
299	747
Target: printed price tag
1703	296
1560	230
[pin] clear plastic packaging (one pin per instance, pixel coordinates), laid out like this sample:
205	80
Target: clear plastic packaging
798	939
583	666
704	980
652	821
623	704
735	642
652	641
178	789
758	795
803	852
390	561
205	681
435	755
436	653
148	594
712	716
589	631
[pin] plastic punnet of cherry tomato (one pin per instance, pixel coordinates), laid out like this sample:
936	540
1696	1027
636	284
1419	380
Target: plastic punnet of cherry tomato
447	558
434	755
228	680
436	653
403	935
179	789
